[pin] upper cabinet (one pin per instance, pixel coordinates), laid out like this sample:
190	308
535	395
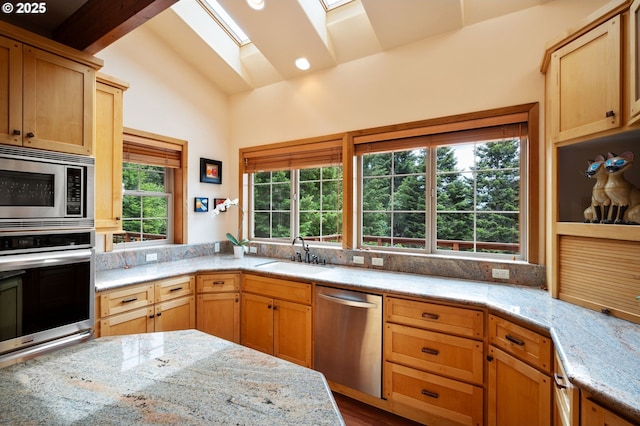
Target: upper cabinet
47	93
108	153
634	57
584	83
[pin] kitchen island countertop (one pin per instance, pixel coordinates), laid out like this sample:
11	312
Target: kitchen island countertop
179	377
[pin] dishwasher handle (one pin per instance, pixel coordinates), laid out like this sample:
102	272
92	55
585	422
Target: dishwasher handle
347	302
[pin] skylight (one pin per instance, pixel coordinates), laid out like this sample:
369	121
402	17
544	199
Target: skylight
332	4
223	18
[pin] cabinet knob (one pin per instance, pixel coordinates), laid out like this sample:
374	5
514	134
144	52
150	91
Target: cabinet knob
610	114
30	135
16	132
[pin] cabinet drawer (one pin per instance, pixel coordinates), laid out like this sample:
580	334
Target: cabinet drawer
126	299
173	288
217	283
567	397
280	289
452	356
448	319
130	322
441	401
521	342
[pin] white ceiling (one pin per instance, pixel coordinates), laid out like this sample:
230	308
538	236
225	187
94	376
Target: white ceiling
287	29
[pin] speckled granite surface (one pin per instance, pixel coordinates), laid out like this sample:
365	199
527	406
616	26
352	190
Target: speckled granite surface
600	354
181	377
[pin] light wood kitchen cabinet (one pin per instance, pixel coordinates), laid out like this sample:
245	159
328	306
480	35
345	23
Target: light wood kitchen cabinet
108	153
594	414
218	305
519	362
276	318
434	358
163	305
584	83
566	397
634	61
49	99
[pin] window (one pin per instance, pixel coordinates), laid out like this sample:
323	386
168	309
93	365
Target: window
300	202
450	192
459	185
154	187
146	203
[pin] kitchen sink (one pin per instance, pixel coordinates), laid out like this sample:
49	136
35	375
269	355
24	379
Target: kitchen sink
292	267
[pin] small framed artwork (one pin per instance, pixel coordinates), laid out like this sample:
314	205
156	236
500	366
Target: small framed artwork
210	171
218	201
201	204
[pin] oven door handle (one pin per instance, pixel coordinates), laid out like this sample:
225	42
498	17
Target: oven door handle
26	261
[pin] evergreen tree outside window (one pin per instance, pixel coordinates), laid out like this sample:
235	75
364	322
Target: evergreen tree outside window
305	202
146	204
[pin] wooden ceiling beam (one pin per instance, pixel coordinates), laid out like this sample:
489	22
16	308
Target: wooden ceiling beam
98	23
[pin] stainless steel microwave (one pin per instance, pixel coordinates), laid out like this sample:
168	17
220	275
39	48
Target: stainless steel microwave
45	190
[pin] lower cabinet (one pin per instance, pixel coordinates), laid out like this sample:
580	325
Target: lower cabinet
434	358
594	414
218	305
519	363
276	318
163	305
566	397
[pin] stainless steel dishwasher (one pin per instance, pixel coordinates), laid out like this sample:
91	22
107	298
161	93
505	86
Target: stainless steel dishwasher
348	338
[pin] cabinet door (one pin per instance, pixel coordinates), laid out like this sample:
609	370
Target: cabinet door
292	332
108	153
518	393
10	92
219	314
58	103
594	414
176	314
257	323
634	57
131	322
585	91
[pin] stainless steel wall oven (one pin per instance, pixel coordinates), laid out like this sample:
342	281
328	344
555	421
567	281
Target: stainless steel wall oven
46	291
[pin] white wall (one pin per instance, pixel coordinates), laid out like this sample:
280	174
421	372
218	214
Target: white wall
168	97
488	65
491	64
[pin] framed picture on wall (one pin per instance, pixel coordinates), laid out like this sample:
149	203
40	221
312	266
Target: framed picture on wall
218	201
210	171
201	204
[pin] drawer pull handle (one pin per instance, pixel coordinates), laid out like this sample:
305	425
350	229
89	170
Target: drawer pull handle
427	315
558	379
429	394
610	114
430	351
175	289
218	282
514	340
129	300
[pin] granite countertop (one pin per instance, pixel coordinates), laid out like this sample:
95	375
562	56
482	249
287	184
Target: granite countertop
178	377
600	354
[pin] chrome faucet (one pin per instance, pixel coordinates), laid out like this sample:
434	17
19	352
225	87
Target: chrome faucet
305	247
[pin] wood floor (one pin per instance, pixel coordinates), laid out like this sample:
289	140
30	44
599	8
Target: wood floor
355	413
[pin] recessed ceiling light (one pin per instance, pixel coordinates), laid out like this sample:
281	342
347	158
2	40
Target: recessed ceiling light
303	64
256	4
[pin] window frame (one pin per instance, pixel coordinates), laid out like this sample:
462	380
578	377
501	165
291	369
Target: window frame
355	142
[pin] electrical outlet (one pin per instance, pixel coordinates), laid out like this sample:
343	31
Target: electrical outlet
152	257
502	274
216	247
377	261
358	260
253	249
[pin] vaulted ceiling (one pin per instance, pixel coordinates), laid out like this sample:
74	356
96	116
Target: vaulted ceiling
281	32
